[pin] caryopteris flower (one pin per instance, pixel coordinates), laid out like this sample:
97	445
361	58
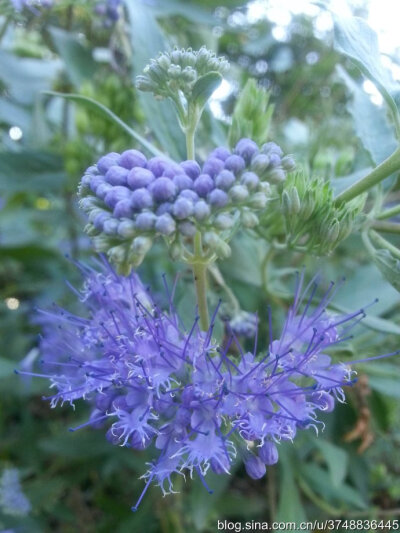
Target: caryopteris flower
150	380
130	199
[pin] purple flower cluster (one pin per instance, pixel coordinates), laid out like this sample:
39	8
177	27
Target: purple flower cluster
130	199
150	380
109	10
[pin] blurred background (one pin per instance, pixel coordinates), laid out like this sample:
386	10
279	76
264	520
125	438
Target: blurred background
326	114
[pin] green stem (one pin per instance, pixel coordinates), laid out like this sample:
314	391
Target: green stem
216	274
190	131
199	267
382	171
389	213
386	227
378	240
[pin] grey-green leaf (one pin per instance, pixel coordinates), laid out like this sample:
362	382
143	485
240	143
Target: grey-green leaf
355	39
93	104
204	87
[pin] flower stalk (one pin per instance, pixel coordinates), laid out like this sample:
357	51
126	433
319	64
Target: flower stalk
199	266
382	171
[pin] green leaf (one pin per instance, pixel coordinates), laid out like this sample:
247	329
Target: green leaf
389	266
319	480
6	368
30	170
371	126
388	386
290	508
147	42
78	59
354	38
336	459
90	103
26	77
204	87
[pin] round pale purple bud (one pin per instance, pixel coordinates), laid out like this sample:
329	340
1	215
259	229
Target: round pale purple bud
288	163
235	163
191	168
85	181
220	153
239	193
157	165
110	226
260	163
189	194
141	198
254	466
188	229
165	207
132	158
250	180
95	181
246	148
139	177
274	159
183	208
103	189
203	184
225	179
126	229
213	166
165	224
116	175
145	221
268	453
163	189
223	221
123	209
172	170
201	210
182	182
277	175
107	161
272	147
116	194
99	220
218	198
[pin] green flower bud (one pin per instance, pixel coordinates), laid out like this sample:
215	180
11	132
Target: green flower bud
126	229
102	243
249	219
258	200
118	254
239	193
276	175
217	245
223	221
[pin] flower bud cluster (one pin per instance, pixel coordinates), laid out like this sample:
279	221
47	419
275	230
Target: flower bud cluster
130	199
179	70
109	10
311	219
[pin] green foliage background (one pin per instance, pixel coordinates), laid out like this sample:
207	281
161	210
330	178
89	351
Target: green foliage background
79	482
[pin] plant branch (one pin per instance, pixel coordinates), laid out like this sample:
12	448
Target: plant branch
386	227
382	171
199	267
